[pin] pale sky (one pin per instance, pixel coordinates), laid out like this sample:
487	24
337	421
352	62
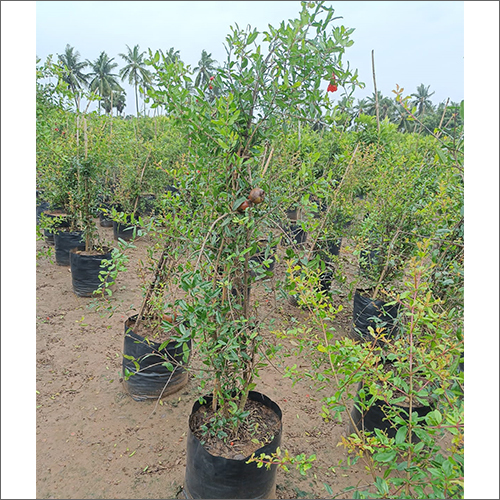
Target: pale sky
414	42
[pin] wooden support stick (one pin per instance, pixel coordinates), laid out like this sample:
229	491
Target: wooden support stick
376	93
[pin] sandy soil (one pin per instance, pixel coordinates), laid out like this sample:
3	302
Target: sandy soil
95	441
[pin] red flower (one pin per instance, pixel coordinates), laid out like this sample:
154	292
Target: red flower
210	87
332	88
211	78
56	129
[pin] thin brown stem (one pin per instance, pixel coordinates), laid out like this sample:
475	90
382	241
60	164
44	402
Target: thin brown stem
376	94
140	182
389	253
323	222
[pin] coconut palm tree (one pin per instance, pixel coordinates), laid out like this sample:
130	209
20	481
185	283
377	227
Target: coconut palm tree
344	105
103	81
135	70
205	68
422	100
118	100
73	74
401	118
361	106
171	56
385	106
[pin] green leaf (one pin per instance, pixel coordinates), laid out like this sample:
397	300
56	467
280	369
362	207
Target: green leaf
222	144
328	488
382	485
434	417
385	456
401	434
252	37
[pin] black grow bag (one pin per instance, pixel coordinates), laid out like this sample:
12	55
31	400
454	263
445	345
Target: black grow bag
258	261
147	204
152	379
105	219
372	313
171	189
124	231
295	235
63	223
375	417
85	270
238	293
64	242
40	208
370	262
209	476
326	249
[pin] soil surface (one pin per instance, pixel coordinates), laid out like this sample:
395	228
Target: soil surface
254	432
95	441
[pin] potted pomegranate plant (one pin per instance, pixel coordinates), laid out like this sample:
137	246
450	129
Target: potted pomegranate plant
155	356
85	262
229	121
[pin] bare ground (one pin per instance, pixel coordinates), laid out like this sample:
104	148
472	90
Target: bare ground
95	441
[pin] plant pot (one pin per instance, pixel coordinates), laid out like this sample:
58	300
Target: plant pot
40	208
171	189
49	233
64	242
375	417
328	248
294	234
151	379
370	262
238	293
104	221
258	269
85	271
212	476
321	207
147	204
123	231
372	313
292	214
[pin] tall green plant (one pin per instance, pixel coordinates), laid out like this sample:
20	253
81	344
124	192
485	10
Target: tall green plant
259	91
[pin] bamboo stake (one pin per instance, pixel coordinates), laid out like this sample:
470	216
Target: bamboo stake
267	162
111	115
85	138
442	118
376	94
152	286
140	182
